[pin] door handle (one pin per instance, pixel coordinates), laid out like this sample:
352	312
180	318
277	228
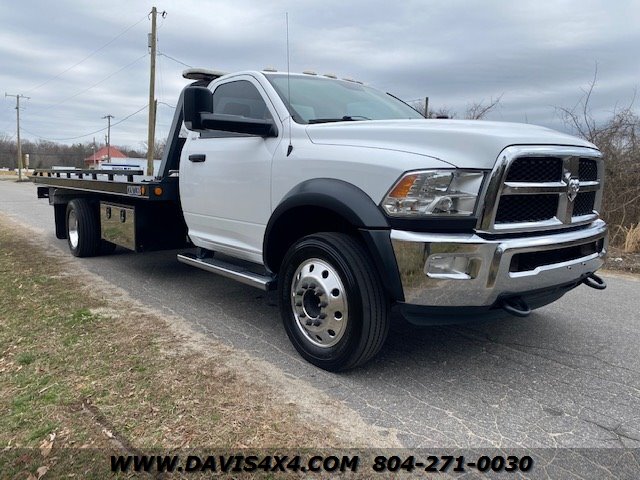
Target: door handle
197	158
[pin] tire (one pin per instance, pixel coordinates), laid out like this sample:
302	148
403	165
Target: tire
83	228
333	306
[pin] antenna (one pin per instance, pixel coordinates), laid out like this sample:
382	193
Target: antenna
290	147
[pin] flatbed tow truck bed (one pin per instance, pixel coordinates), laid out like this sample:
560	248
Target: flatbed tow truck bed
130	209
127	183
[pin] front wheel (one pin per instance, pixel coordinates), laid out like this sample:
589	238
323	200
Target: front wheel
332	303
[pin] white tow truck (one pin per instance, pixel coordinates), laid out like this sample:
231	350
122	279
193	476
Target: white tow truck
350	204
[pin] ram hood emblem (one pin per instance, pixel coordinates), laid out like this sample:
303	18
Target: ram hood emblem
573	188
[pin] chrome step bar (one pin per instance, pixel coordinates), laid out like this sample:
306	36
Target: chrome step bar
229	270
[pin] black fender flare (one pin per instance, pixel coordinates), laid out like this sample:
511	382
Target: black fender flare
357	209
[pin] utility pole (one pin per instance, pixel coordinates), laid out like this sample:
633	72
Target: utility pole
18	97
108	117
426	107
152	94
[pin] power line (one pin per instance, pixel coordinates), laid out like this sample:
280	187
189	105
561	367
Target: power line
175	60
86	134
9	121
93	85
88	56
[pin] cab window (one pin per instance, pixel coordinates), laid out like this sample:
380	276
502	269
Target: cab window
240	98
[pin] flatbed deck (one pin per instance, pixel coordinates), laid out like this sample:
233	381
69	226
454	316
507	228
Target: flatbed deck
127	183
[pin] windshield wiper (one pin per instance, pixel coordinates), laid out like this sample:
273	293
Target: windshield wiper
346	118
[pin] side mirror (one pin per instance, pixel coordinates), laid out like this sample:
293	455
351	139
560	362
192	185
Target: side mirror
239	124
196	101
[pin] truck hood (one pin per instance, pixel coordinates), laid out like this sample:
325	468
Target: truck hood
461	143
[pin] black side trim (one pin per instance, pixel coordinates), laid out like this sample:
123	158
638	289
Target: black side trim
357	211
378	242
341	197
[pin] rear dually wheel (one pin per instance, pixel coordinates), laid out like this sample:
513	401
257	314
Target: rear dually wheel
83	228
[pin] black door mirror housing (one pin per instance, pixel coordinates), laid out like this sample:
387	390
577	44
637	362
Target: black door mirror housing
239	124
196	101
198	116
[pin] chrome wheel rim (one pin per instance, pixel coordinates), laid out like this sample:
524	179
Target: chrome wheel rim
319	303
73	229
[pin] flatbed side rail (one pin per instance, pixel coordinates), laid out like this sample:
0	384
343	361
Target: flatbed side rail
89	173
131	184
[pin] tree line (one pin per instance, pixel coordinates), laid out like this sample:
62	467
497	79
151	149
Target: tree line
46	154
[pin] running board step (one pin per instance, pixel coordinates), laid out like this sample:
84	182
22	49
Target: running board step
229	270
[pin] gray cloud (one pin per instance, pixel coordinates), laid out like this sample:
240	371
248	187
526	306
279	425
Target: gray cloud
537	55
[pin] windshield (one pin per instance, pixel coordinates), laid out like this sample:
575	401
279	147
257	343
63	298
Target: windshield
318	100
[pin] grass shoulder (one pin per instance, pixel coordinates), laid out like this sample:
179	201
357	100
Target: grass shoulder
80	374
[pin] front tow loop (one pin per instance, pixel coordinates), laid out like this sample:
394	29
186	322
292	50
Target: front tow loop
516	306
594	281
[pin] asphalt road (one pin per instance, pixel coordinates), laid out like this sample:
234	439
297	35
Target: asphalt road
567	376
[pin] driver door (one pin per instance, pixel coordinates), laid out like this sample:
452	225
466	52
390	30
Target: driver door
228	199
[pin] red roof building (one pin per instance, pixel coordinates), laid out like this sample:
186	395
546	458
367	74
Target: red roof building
102	155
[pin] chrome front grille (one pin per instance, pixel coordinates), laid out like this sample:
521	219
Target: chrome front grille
584	204
542	188
535	169
521	208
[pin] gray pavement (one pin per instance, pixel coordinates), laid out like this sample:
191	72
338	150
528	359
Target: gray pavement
567	376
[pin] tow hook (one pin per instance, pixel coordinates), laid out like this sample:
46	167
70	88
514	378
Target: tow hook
516	306
594	281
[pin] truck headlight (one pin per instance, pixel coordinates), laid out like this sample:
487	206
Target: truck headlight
434	192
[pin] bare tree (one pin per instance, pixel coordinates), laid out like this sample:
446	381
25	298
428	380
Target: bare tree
617	139
442	112
479	110
580	117
475	111
158	147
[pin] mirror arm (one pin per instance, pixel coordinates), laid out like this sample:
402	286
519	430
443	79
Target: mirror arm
238	124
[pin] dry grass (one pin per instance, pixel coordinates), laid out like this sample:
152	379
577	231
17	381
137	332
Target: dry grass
76	372
632	239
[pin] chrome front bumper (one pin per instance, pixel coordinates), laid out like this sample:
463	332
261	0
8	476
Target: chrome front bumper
482	270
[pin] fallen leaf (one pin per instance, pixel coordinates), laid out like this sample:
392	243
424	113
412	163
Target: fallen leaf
45	448
42	471
107	433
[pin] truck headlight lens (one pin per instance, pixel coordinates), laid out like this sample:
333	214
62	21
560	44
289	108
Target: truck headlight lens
434	192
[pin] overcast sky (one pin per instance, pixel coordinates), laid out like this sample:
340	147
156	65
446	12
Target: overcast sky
536	54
